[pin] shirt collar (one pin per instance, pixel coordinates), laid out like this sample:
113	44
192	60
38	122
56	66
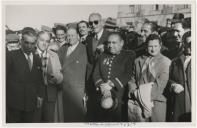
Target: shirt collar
74	45
100	34
62	43
39	52
84	37
149	56
30	55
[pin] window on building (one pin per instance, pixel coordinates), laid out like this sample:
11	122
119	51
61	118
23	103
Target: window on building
186	6
156	7
132	9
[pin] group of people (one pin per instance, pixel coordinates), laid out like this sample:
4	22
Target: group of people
88	74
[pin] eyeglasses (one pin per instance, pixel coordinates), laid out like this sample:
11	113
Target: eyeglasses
95	22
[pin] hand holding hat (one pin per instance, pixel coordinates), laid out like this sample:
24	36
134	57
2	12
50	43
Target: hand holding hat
106	86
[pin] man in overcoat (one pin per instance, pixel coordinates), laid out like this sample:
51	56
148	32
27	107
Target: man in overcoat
52	75
180	83
73	59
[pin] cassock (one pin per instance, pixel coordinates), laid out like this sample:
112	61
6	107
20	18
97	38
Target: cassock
116	68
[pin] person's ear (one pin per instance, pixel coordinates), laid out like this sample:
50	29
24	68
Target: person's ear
102	22
122	43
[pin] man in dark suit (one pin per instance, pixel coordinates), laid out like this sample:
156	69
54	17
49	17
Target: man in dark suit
99	37
73	59
24	83
96	45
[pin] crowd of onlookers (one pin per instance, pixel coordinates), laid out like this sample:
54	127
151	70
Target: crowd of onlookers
92	73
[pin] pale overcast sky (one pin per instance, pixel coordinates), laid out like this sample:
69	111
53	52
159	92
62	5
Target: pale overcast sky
19	16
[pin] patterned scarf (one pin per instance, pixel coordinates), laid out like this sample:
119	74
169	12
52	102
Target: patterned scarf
45	58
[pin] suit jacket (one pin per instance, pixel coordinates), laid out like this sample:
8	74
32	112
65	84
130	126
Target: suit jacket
91	54
161	69
22	85
86	40
74	66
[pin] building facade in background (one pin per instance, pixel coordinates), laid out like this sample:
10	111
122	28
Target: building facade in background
130	14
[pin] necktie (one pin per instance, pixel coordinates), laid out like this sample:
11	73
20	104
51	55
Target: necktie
69	50
96	37
44	66
82	39
29	62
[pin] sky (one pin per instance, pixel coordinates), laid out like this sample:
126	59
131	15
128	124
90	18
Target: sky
19	16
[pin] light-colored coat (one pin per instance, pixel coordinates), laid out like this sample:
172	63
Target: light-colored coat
161	71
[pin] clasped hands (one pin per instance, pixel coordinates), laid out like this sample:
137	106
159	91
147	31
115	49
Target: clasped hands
100	48
177	88
106	87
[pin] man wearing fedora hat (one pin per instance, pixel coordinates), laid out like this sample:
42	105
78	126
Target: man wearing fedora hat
110	76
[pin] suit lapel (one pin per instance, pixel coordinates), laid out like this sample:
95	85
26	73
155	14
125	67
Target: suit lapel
23	58
103	37
73	55
36	59
94	44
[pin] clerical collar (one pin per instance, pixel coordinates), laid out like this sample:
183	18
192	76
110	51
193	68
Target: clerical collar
115	54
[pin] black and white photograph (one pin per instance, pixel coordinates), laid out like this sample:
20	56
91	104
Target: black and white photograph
97	63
